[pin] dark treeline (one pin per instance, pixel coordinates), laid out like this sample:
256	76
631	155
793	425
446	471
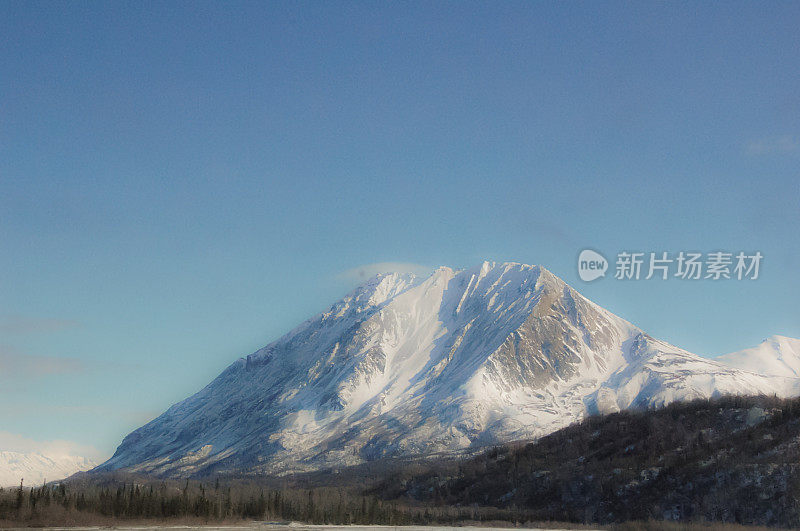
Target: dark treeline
214	501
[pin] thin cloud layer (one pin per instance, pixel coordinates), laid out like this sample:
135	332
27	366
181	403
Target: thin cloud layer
366	271
20	324
14	442
16	364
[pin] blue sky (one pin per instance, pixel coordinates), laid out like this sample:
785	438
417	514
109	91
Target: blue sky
180	183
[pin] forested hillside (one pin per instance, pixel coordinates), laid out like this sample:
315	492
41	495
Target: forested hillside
725	460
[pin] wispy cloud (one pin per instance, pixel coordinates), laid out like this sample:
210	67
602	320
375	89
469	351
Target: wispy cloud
366	271
773	145
15	364
20	324
14	442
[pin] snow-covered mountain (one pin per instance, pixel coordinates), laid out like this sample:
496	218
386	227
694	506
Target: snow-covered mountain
409	366
776	355
35	467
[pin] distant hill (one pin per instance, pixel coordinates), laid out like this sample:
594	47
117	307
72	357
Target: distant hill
35	467
776	356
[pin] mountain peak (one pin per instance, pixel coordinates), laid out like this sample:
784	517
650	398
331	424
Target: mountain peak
405	365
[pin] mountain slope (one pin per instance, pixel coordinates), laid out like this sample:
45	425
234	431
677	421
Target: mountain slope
35	468
776	355
407	366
